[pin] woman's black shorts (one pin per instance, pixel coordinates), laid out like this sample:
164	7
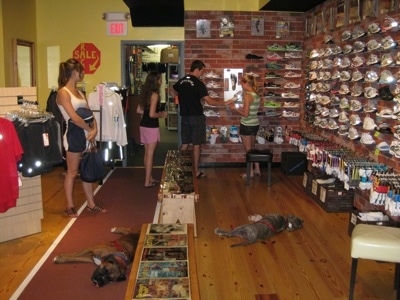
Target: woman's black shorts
248	130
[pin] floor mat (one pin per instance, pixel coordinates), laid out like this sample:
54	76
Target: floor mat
128	204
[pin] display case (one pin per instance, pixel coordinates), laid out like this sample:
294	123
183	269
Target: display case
178	190
172	105
164	264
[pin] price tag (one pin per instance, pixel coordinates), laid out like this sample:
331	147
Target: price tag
46	142
100	91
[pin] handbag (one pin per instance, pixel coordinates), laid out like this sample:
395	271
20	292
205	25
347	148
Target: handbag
91	166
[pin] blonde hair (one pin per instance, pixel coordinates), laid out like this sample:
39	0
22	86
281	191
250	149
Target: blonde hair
251	80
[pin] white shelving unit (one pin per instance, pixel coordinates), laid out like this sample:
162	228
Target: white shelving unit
171	107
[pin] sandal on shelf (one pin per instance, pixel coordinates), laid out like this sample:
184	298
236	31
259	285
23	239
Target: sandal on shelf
96	209
71	212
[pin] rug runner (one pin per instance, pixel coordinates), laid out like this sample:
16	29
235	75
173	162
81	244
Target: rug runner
128	204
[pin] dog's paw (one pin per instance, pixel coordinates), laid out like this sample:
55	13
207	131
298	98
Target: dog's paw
113	229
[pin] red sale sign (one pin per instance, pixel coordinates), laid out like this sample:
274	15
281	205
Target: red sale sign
89	56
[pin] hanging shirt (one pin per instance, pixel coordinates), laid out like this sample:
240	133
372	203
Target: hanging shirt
41	143
11	152
112	125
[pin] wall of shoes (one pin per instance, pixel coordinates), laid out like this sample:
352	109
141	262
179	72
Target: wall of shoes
352	91
280	83
246	49
352	78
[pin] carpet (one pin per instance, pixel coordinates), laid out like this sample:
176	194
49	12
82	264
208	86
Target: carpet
169	141
128	204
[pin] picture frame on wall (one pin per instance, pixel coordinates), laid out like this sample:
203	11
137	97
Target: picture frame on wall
257	26
354	11
232	82
311	26
386	6
327	19
340	14
306	28
203	28
226	28
319	24
282	29
368	8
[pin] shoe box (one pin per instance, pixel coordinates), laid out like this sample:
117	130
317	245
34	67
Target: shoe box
293	163
169	55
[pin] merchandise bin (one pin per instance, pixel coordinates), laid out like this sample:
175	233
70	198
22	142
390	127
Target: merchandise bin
178	190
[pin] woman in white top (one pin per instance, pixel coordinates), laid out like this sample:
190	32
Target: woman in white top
69	99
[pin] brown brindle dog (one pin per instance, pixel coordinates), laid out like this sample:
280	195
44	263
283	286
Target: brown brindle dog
112	258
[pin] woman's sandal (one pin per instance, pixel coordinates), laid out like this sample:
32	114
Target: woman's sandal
96	209
71	212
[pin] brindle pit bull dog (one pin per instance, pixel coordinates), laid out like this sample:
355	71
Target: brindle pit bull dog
263	227
112	258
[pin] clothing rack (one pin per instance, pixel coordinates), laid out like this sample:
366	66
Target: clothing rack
97	101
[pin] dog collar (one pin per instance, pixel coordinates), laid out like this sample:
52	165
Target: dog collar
118	246
120	256
270	226
265	222
122	260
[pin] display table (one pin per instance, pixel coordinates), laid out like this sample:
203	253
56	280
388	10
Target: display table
178	190
165	264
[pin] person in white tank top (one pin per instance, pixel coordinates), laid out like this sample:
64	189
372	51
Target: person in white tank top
69	99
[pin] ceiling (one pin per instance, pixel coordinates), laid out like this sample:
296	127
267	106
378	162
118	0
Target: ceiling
291	5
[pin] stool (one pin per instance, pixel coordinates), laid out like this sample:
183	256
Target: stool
255	155
381	243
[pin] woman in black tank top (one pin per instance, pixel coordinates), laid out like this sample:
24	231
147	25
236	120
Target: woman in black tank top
149	125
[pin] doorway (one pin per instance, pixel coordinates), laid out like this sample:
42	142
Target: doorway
137	59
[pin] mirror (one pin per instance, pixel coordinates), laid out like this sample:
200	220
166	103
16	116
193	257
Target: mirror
24	63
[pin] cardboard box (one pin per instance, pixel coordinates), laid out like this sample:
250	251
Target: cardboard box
169	55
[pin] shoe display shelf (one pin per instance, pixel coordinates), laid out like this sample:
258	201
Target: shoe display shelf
360	68
171	105
282	81
214	83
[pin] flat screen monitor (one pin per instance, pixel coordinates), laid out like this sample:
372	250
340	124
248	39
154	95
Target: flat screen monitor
156	13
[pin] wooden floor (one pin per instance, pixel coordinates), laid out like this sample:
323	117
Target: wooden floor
312	263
